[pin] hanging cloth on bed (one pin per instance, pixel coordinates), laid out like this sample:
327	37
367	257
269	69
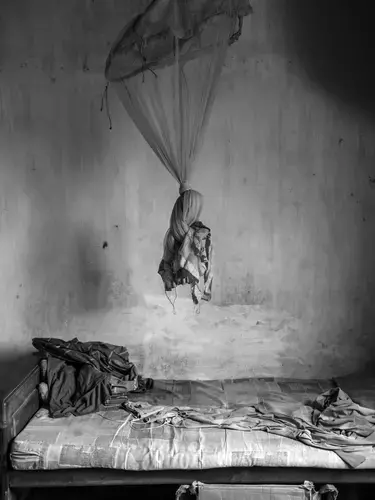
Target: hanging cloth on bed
165	66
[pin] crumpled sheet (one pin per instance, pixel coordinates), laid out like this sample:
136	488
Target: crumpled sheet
335	411
80	375
332	422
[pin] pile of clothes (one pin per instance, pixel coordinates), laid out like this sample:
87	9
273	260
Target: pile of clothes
78	378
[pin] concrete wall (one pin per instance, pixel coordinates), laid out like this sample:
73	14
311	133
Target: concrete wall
285	172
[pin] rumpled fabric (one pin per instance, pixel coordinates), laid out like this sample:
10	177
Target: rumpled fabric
75	389
331	422
104	357
335	411
83	376
190	261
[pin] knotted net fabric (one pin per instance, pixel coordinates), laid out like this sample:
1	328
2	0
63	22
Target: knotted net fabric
165	66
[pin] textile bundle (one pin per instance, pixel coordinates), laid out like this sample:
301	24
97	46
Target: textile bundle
80	377
188	248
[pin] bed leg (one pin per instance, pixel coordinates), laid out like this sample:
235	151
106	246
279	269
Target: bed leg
11	494
8	493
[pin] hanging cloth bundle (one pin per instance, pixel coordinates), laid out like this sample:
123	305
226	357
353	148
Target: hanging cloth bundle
187	247
165	66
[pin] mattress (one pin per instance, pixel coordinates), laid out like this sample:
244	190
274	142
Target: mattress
113	439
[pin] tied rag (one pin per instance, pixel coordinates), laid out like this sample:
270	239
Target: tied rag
188	247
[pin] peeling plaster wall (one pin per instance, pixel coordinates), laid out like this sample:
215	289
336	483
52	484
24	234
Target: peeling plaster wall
285	172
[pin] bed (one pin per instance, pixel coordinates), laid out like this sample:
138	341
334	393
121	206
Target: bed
108	448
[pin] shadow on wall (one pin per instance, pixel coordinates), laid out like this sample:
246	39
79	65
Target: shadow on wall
335	43
14	367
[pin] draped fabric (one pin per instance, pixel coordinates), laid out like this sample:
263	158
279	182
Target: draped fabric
165	67
171	107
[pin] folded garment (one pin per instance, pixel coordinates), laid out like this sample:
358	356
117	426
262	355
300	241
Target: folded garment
115	402
145	411
139	384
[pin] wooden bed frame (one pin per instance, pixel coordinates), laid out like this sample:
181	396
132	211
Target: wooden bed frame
19	405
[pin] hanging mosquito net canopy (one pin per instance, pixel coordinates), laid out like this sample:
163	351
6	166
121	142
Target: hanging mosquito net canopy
165	66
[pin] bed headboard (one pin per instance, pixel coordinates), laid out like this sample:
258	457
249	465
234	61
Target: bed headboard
18	406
